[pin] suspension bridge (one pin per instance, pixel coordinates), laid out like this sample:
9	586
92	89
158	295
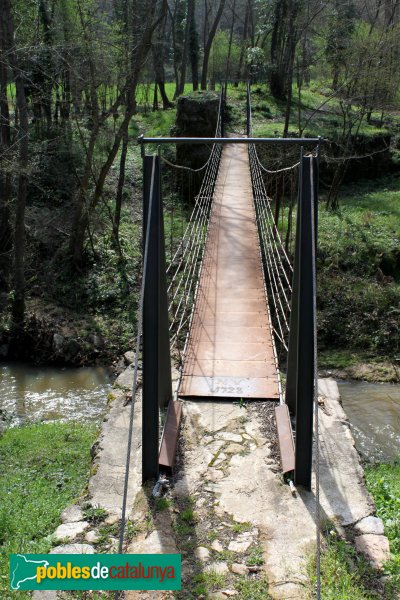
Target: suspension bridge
229	287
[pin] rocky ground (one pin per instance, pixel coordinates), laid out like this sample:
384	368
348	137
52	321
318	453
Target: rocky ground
240	530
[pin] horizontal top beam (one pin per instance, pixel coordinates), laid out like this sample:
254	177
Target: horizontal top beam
230	140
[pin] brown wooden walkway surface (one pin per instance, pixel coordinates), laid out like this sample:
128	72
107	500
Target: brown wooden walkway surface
229	352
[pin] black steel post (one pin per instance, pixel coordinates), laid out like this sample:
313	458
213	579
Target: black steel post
293	349
306	368
157	385
301	368
248	110
223	99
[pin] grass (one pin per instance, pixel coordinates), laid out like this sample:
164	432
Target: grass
255	557
44	468
359	273
383	482
207	581
315	102
348	576
241	527
252	589
343	574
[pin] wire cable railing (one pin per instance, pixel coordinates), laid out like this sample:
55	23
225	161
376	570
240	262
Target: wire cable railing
188	233
275	197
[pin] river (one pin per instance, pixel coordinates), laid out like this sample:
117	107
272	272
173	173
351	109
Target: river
373	410
31	394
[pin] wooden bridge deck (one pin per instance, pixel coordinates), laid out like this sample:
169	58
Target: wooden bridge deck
229	352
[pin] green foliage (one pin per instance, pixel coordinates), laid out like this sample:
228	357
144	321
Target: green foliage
94	514
44	467
208	581
252	589
218	65
359	270
162	503
343	573
383	483
255	557
241	527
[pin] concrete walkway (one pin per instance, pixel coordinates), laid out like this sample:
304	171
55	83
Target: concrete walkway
229	512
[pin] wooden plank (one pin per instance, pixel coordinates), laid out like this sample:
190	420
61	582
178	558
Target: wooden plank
170	437
285	438
229	387
230	349
230	368
226	350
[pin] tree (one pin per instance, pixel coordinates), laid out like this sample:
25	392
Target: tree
5	137
208	40
18	304
284	39
144	26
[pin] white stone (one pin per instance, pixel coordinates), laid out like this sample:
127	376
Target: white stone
44	595
374	547
73	549
234	448
240	545
217	546
212	487
230	437
69	531
217	567
239	569
214	475
112	519
72	514
370	525
92	537
129	357
125	379
202	553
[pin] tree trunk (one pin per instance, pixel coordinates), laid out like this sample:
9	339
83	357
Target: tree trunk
243	47
194	47
158	63
207	47
230	41
5	143
18	303
120	190
84	209
186	45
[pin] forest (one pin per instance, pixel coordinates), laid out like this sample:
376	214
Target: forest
81	79
80	82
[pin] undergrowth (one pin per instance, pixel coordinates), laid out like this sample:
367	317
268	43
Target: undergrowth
44	468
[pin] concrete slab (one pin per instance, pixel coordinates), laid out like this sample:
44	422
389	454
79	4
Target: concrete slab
107	483
252	490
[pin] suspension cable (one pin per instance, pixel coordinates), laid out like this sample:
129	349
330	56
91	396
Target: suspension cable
136	368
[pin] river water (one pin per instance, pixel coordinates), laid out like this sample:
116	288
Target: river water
373	410
29	393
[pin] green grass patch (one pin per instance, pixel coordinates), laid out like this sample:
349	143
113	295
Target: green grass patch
383	483
252	589
359	274
44	467
255	557
208	581
344	575
241	527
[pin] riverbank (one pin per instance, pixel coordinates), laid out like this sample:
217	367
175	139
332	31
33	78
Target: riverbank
44	468
93	520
